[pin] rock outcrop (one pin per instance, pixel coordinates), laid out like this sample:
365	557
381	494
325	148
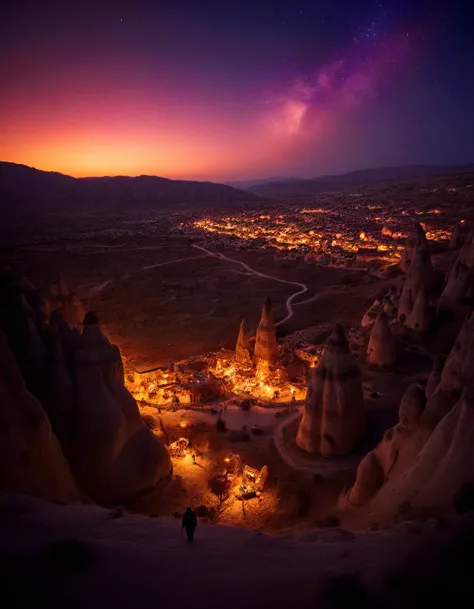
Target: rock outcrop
242	348
416	240
388	303
71	423
419	319
411	408
438	469
334	412
460	279
382	349
458	236
115	457
428	457
266	346
369	478
456	373
420	276
31	459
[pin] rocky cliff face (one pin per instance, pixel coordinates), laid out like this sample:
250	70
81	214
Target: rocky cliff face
31	458
427	458
74	413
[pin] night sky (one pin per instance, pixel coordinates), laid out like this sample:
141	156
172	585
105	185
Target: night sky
227	90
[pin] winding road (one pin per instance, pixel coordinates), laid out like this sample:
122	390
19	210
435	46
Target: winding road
251	271
94	290
303	288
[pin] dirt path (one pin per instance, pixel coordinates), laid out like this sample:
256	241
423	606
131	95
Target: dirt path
95	290
251	271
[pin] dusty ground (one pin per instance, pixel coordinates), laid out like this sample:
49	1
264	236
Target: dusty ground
291	500
159	308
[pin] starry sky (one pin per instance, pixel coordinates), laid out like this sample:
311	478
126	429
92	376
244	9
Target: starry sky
224	90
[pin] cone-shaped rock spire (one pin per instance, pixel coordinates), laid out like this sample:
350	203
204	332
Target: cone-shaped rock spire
415	240
334	414
242	348
420	275
115	455
418	319
382	349
266	346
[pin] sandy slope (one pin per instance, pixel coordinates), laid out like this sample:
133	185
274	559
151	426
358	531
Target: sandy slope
135	561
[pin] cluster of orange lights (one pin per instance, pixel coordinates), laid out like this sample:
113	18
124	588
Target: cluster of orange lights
291	231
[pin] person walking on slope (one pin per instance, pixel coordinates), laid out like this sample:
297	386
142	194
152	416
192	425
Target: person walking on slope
189	523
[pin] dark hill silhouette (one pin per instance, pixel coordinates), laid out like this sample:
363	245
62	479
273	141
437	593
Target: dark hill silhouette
28	190
308	187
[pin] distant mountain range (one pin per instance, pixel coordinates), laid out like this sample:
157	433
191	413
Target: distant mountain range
284	187
25	189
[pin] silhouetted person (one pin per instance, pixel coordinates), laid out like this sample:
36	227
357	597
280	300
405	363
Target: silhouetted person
189	523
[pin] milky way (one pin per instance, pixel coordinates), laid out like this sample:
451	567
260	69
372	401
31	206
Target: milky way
233	90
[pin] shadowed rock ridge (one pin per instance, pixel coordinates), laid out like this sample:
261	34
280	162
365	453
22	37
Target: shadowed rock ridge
77	408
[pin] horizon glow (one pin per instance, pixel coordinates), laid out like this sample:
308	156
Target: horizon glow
108	97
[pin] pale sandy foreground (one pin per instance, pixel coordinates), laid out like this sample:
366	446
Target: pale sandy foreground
136	561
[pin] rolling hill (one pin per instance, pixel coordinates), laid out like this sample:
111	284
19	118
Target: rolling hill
28	190
309	187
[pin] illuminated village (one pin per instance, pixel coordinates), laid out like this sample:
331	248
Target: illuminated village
342	233
237	305
239	430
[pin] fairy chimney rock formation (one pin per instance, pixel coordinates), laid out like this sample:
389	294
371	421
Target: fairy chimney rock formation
411	407
266	346
458	236
420	276
454	375
416	240
116	457
418	319
369	479
444	464
334	413
31	459
382	349
242	348
460	279
371	314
